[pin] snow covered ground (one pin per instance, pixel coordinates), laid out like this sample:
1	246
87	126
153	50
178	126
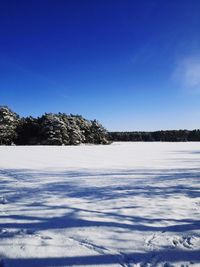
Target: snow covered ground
126	204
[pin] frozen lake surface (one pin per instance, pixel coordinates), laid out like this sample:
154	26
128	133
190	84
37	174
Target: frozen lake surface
125	204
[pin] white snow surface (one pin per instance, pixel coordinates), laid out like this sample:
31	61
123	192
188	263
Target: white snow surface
124	204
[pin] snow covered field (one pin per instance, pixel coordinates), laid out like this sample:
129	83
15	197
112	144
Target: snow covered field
126	204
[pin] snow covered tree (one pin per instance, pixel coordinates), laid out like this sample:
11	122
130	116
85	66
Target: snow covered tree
84	126
76	136
53	130
62	129
9	121
50	129
98	134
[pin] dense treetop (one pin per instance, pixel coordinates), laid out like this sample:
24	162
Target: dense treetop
49	129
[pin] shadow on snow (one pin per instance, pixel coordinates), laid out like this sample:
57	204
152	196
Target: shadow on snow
28	189
165	255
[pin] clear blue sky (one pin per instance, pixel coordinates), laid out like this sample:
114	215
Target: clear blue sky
132	64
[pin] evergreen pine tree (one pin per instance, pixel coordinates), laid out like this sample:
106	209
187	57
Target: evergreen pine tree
9	121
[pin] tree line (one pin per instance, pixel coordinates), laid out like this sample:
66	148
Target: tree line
164	136
49	129
63	129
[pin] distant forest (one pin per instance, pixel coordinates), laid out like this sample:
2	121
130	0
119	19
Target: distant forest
163	136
